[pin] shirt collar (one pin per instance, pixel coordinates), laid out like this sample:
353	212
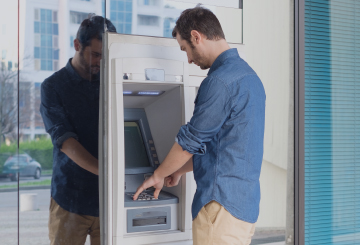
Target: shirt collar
221	59
77	77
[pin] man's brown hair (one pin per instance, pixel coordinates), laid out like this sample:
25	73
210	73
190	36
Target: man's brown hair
201	20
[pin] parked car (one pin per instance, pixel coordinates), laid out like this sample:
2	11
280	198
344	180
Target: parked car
21	165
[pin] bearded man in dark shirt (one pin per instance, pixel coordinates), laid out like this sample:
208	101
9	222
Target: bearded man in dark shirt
70	111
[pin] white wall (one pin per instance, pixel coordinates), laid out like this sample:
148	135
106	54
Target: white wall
267	36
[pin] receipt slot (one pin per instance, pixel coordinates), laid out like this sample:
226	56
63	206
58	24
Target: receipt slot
147	92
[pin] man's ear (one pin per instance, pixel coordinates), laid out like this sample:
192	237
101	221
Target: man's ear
196	36
77	45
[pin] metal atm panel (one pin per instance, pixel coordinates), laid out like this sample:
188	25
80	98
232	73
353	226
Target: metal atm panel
136	68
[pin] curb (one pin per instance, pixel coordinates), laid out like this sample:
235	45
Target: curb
25	188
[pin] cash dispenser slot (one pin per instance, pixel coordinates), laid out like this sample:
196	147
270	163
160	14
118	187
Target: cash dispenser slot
148	219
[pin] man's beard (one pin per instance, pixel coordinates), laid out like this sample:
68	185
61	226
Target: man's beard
197	58
87	67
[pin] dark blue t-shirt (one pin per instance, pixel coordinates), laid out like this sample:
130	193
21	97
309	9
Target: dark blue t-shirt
70	108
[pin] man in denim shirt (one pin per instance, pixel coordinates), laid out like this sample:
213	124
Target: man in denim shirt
70	110
223	142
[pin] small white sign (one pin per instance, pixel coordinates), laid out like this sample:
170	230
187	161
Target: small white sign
155	75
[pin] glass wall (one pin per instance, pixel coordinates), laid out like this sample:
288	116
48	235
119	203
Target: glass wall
9	164
332	131
46	31
158	17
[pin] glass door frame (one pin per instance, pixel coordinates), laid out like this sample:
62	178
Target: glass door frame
299	96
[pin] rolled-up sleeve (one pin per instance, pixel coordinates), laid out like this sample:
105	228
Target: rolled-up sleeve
54	117
212	108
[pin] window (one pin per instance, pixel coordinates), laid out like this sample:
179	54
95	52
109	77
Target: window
169	24
121	15
37	40
56	65
147	20
56	42
25	96
9	65
56	54
45	39
37	27
77	17
36	15
55	29
148	2
37	64
55	16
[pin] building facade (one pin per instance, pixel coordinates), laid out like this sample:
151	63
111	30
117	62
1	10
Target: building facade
49	28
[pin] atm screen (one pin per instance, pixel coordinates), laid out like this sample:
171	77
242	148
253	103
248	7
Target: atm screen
135	152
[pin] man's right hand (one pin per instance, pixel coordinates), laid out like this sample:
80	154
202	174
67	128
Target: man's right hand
76	152
154	181
173	179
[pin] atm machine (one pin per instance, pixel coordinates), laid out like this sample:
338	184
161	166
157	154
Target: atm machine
147	92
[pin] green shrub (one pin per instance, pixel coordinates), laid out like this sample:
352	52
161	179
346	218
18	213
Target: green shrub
40	150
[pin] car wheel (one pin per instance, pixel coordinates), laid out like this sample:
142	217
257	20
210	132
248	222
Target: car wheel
37	174
15	177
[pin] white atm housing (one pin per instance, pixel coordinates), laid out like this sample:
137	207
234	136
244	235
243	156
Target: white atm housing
125	70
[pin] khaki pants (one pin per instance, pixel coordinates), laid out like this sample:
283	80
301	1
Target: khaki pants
67	228
214	225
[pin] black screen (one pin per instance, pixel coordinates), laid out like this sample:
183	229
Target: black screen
135	152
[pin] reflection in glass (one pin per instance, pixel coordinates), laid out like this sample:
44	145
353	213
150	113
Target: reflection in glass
47	35
158	17
121	15
9	166
45	31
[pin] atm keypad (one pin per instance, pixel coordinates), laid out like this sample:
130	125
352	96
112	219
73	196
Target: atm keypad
143	196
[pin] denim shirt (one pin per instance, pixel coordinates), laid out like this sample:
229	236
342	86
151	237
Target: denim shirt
226	136
70	108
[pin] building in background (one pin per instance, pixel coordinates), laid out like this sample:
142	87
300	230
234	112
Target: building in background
48	29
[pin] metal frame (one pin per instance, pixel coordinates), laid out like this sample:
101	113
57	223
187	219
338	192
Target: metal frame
299	43
105	231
